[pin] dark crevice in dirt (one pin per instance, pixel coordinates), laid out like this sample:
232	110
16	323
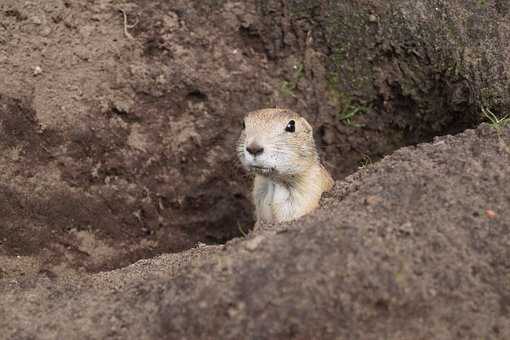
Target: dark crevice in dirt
452	112
99	212
154	47
252	39
196	96
128	117
15	14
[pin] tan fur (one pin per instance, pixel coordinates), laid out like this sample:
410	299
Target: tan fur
289	178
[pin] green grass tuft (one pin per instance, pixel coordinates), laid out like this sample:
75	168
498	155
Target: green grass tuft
287	88
494	121
351	112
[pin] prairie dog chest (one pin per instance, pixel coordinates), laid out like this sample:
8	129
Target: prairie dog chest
272	199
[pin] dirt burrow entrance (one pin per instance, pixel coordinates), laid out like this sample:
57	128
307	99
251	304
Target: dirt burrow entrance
118	132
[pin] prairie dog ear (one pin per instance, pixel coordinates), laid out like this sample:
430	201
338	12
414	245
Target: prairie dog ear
307	125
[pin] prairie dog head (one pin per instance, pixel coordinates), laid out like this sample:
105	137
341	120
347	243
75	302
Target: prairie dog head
276	143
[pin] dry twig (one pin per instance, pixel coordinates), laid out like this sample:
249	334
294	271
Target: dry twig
126	25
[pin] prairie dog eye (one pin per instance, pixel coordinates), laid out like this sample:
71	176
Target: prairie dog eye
291	126
243	125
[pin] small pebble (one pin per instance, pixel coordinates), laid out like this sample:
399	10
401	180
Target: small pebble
254	242
45	31
37	70
372	18
491	214
36	20
372	200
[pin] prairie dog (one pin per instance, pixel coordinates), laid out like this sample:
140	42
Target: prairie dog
277	145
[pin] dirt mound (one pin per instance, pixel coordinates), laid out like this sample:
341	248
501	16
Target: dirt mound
415	246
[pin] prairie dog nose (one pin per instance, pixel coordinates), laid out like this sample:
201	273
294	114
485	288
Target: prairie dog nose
254	149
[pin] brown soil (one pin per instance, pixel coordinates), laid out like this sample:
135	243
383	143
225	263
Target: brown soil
116	139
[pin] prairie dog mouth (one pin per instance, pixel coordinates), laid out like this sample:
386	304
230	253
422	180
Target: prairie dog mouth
261	170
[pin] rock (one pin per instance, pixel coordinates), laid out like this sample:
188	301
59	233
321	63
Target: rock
37	71
254	242
491	214
373	200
